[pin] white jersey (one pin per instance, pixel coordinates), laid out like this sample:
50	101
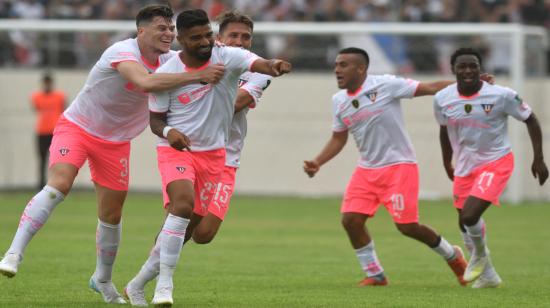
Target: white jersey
254	84
203	112
108	106
478	125
373	116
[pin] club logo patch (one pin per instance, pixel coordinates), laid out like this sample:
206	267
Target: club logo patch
487	107
180	169
371	95
355	103
64	151
468	108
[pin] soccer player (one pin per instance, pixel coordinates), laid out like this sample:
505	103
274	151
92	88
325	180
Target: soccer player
192	123
48	104
473	118
369	107
109	111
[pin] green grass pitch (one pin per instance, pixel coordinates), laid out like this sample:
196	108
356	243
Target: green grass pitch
278	252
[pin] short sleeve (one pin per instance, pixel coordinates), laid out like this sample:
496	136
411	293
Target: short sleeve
159	102
438	112
120	53
256	85
239	59
338	124
401	87
515	106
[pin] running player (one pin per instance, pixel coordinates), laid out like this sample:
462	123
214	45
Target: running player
369	107
192	123
473	116
109	111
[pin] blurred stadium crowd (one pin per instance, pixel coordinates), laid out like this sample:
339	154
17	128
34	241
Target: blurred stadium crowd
407	54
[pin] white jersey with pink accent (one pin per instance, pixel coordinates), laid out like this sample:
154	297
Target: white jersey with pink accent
254	84
109	106
478	125
203	112
373	116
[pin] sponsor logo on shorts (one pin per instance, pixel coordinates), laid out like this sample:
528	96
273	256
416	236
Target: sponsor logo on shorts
487	107
180	169
64	151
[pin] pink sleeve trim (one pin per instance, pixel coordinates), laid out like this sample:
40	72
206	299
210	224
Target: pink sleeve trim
115	63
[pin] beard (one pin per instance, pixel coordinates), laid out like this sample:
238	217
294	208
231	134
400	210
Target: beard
202	56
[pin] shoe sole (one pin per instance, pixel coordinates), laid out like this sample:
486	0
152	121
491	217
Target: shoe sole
163	305
7	273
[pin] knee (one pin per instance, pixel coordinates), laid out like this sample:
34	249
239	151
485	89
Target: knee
350	222
182	204
60	180
410	230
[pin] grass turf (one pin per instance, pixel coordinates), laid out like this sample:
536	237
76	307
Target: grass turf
278	252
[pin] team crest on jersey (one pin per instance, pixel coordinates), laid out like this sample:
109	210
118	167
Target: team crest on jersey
64	151
487	107
468	108
355	103
180	169
371	95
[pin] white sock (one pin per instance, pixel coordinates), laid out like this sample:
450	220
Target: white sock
150	268
34	216
171	241
476	234
368	260
445	249
468	243
107	240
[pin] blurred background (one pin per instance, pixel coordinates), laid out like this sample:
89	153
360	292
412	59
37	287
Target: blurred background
294	120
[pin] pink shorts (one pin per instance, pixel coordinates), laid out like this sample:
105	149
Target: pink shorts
222	196
109	161
486	182
396	187
204	169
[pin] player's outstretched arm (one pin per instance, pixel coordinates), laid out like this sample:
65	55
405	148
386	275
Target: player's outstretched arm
139	76
431	88
177	140
273	67
335	144
446	152
538	168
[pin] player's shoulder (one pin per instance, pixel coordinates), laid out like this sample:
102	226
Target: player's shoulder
172	64
498	90
127	45
446	92
167	56
339	97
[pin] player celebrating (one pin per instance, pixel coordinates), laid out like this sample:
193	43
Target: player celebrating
193	124
108	112
473	116
369	107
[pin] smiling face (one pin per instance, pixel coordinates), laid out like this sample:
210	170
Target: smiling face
158	34
350	70
467	70
197	41
236	34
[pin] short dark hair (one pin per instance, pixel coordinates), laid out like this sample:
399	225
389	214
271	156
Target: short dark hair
228	17
465	51
191	18
147	13
357	51
47	77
